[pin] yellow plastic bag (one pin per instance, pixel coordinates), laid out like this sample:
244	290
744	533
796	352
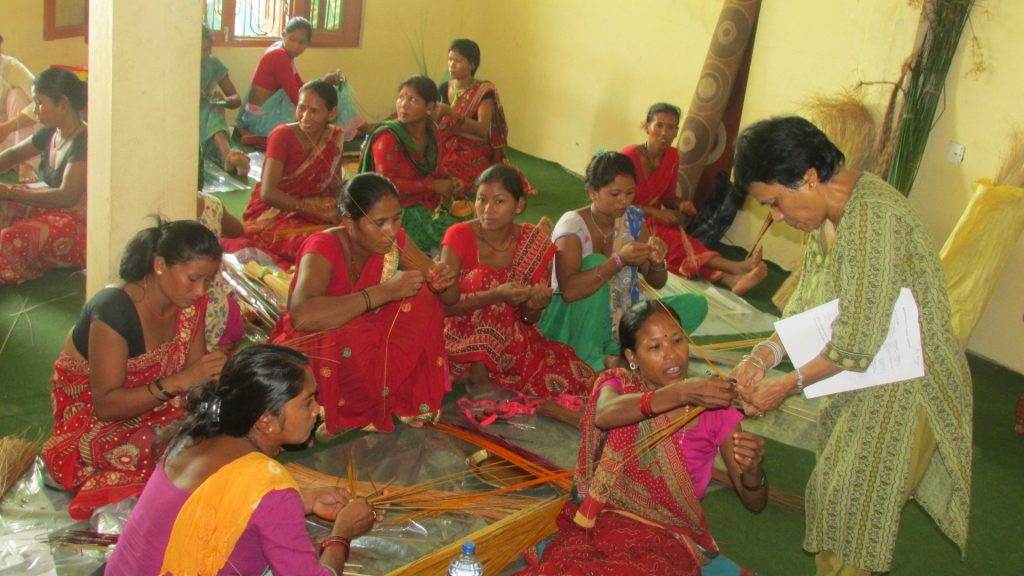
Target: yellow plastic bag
977	248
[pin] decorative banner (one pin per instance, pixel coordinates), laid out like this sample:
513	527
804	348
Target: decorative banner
704	138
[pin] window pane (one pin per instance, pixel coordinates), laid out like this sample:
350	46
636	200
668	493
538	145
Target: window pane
332	11
260	18
212	16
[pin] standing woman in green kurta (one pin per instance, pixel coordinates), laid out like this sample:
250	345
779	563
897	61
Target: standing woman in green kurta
878	446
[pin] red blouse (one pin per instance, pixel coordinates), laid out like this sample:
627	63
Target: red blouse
276	69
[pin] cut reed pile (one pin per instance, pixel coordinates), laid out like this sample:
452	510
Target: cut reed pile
423	499
497	545
16	457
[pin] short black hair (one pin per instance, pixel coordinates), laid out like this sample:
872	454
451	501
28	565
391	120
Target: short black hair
256	380
660	107
362	192
509	178
470	51
55	83
423	86
178	241
781	150
325	90
634	319
605	167
300	23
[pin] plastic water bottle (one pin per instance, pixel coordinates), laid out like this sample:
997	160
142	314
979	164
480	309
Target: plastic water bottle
466	564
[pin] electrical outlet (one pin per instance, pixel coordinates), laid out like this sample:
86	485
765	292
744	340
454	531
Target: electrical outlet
955	153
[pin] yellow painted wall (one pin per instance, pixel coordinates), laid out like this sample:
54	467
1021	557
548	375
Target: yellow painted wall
576	75
21	24
981	109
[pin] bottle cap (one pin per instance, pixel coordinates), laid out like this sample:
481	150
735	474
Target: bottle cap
468	547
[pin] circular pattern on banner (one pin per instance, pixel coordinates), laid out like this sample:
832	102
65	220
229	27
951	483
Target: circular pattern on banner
731	34
713	89
720	139
694	141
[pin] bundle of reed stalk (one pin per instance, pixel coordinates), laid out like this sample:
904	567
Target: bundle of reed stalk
776	497
424	499
1011	173
16	457
497	545
531	463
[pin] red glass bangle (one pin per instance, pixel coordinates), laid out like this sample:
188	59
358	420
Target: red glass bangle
645	404
335	540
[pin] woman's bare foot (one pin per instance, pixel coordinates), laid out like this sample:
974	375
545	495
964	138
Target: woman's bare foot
745	282
753	261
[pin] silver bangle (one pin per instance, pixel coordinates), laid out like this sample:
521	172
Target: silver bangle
757	362
799	382
776	351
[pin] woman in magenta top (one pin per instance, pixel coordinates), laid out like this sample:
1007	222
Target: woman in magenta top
220	503
639	512
657	167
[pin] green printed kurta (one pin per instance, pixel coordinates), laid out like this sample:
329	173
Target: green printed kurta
865	437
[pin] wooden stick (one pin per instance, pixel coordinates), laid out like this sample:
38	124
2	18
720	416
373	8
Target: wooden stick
768	220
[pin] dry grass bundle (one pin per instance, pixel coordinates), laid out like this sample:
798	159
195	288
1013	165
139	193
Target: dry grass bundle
1011	173
776	497
849	124
421	499
16	457
497	545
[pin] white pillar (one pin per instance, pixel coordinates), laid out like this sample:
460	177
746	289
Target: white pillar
143	122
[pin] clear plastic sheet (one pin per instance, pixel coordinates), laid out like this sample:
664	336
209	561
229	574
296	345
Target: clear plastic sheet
256	165
267	304
410	456
216	180
29	513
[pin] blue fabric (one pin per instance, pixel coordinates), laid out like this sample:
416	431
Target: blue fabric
720	566
278	109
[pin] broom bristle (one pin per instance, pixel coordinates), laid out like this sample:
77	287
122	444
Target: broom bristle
1011	173
16	457
849	124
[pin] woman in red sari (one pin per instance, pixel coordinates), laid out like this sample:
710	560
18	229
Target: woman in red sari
405	151
301	178
367	307
472	131
42	226
638	511
657	167
504	273
133	352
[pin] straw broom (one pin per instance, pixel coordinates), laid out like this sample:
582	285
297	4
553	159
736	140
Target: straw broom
16	457
1011	173
497	545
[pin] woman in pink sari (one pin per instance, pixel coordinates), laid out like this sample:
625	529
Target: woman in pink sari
657	167
504	273
472	131
367	307
301	178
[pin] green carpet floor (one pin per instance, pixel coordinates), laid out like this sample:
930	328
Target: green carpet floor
35	318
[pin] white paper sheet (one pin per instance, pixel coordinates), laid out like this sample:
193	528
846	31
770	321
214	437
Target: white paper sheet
900	358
